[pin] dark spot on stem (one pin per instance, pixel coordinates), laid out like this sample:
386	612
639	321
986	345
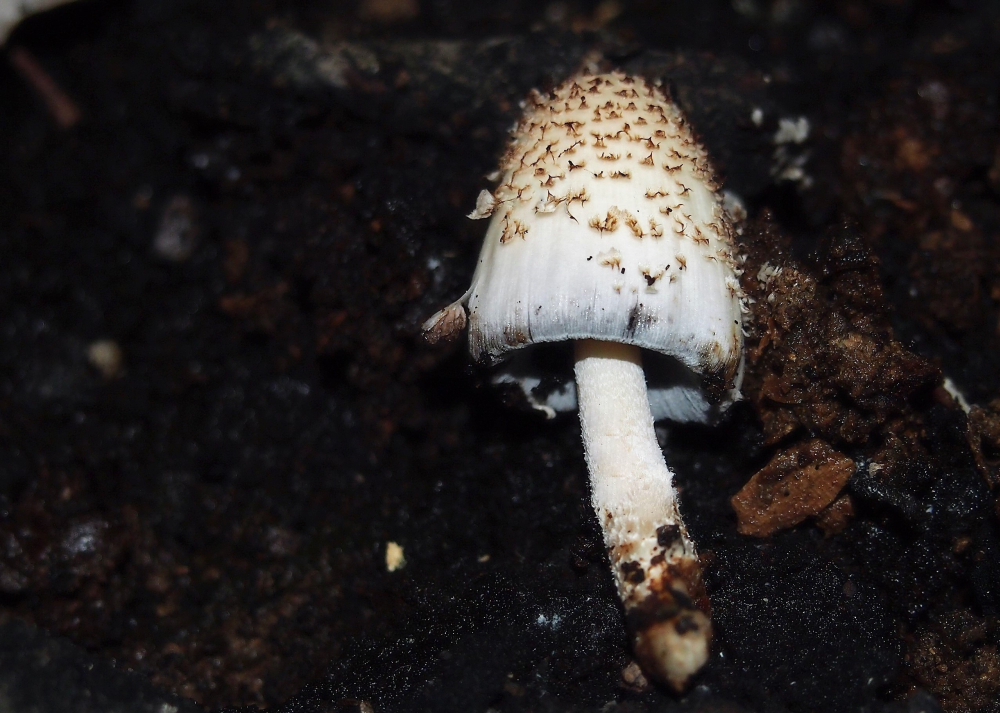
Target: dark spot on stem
633	573
667	535
685	625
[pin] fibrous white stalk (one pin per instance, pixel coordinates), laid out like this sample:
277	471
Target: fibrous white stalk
654	561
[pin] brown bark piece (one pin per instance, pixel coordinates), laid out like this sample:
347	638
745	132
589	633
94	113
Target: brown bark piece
796	483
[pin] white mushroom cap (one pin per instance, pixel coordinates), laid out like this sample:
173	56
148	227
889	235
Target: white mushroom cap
607	225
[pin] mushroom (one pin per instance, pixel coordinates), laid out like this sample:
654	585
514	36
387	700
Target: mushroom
13	11
608	231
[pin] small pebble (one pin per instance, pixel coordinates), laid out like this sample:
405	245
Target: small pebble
106	356
178	230
394	558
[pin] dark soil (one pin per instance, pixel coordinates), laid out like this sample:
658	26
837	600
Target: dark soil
263	201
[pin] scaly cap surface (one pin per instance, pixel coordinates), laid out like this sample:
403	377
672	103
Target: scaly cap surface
607	224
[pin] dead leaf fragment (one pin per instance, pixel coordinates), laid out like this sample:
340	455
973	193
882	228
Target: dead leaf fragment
798	482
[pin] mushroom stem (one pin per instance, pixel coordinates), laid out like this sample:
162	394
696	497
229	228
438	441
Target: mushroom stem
654	561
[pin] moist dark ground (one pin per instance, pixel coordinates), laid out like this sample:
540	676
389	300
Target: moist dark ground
215	516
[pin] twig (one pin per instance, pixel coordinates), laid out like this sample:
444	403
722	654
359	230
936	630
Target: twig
62	108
